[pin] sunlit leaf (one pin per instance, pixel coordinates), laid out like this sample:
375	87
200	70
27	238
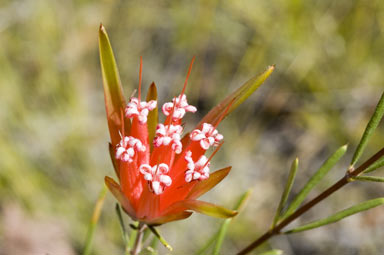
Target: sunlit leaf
340	215
369	178
204	208
315	179
153	116
115	189
287	190
236	98
378	163
224	226
113	92
161	239
371	126
204	186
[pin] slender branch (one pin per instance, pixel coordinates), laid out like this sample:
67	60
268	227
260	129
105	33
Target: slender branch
339	184
139	238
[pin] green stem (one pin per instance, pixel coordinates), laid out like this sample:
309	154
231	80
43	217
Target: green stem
133	235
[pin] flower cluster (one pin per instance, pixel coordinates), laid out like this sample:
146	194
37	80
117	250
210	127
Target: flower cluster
162	173
167	142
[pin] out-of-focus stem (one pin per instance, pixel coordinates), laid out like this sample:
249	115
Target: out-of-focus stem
339	184
139	237
94	220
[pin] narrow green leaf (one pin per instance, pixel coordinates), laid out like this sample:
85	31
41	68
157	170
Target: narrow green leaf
161	239
242	200
204	186
340	215
115	189
220	236
113	91
94	220
236	98
124	231
207	245
271	252
224	226
377	164
287	190
371	126
153	116
369	178
315	179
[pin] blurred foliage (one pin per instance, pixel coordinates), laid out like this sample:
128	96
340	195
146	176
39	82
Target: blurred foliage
53	131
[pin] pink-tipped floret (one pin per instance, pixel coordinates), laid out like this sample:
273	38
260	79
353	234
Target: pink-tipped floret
198	170
139	109
156	176
179	106
207	136
128	147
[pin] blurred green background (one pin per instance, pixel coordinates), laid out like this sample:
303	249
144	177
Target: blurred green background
53	132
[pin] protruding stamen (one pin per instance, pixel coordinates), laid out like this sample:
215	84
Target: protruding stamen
140	76
135	108
170	134
179	106
156	177
208	136
198	170
128	147
186	79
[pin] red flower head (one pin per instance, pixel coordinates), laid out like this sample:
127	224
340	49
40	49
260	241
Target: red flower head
161	173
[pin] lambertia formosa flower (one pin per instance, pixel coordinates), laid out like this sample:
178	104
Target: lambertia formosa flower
161	173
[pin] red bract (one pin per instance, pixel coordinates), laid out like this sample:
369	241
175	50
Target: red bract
160	173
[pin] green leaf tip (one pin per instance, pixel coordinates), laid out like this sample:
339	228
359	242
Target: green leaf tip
371	126
287	190
219	237
160	238
113	91
206	208
236	98
315	179
339	216
368	178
